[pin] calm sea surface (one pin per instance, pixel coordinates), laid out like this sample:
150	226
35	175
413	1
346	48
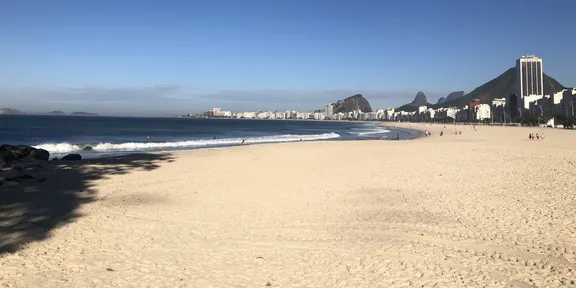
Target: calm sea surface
120	135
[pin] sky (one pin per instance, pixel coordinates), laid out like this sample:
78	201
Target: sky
170	57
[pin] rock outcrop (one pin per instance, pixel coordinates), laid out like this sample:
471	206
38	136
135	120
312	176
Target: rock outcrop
441	100
71	157
10	153
419	100
355	102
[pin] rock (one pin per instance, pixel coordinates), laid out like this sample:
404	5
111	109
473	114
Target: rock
40	154
55	159
87	148
355	102
72	157
22	151
7	153
10	153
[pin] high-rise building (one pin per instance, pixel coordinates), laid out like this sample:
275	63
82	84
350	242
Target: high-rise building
329	111
512	103
529	80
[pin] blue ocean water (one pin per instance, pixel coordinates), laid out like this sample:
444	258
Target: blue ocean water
120	135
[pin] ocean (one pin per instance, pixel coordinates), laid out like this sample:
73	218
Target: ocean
108	136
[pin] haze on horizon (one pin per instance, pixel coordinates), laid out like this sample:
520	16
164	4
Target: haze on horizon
119	57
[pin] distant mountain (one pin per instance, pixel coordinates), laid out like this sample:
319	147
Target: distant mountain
83	114
441	100
11	111
419	100
355	102
499	87
454	95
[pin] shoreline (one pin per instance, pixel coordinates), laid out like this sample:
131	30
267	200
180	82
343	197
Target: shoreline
405	133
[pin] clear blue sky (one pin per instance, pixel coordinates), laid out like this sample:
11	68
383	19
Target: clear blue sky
172	57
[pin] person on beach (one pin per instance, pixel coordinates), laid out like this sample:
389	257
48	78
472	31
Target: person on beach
397	136
530	136
441	133
243	142
537	136
542	136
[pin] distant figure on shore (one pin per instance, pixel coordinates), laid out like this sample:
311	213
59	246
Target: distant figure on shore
397	136
537	136
441	133
411	137
460	132
426	133
243	142
542	136
530	136
214	137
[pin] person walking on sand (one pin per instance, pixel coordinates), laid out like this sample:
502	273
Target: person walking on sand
530	136
542	136
537	136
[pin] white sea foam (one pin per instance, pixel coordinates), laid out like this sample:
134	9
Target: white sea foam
363	132
134	146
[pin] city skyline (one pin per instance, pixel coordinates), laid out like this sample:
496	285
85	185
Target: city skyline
155	59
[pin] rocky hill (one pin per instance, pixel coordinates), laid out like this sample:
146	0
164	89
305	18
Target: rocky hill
499	87
454	95
11	111
355	102
419	100
441	100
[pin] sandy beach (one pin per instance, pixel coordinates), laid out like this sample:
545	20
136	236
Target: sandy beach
487	208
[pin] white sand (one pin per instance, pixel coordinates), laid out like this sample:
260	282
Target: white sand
487	208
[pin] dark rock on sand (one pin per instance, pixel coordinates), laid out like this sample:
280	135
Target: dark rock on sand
10	153
87	148
7	153
72	157
40	154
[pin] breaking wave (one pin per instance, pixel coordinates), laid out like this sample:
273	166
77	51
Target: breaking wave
364	132
135	146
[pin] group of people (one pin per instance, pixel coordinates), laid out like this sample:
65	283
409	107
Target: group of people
531	136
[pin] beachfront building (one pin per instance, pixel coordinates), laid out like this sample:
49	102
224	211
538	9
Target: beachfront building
529	81
568	103
481	112
389	114
429	114
329	111
498	102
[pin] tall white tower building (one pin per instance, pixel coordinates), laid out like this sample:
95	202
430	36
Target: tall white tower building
529	80
329	111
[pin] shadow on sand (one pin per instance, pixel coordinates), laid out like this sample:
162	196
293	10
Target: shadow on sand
52	193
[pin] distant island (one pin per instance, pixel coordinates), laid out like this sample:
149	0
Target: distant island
55	113
12	111
83	114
